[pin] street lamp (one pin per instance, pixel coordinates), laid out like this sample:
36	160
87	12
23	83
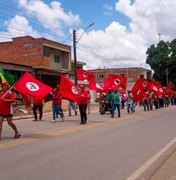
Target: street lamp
74	49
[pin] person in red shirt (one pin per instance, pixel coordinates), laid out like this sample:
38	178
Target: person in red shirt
56	105
6	110
83	98
38	104
101	98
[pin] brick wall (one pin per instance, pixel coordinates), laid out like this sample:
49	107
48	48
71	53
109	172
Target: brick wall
28	51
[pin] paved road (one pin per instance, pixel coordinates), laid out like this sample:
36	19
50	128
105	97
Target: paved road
130	147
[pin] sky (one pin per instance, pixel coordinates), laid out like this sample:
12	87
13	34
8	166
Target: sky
122	30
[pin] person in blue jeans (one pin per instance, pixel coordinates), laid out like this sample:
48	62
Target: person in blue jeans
71	105
130	102
116	103
55	105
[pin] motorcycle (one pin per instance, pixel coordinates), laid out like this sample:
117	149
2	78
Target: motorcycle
105	106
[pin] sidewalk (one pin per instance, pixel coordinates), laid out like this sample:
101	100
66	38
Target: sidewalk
168	170
21	115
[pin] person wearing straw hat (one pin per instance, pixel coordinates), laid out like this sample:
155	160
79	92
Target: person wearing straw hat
6	111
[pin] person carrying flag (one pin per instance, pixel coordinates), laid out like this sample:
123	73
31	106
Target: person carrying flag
38	104
83	98
6	112
56	102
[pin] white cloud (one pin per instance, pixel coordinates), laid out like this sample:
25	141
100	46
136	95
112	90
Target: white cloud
115	46
119	45
18	26
149	18
51	16
108	9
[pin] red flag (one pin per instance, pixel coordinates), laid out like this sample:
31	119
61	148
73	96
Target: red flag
117	81
138	91
169	90
162	90
155	83
107	85
144	83
95	86
157	88
84	74
30	86
68	89
154	88
26	99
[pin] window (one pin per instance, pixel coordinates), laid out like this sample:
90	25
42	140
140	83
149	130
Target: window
121	74
45	53
101	76
57	59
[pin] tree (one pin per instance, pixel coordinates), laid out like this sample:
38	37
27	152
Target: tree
162	59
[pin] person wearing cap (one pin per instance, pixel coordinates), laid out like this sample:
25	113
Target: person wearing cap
83	98
56	105
6	110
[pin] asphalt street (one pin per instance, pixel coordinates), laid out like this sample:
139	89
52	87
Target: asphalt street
135	146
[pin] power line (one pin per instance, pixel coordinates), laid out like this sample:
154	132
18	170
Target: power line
30	15
51	29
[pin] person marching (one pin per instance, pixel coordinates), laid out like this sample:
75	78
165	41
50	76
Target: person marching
109	96
101	97
123	98
83	98
55	105
6	110
116	102
88	104
130	102
38	104
72	105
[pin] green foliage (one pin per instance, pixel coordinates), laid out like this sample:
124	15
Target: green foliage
162	59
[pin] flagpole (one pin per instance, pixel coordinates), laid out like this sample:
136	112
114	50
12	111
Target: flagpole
8	91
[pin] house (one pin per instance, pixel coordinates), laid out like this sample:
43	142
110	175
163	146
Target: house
131	74
45	59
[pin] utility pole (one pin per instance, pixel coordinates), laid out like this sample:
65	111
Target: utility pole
75	57
75	41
